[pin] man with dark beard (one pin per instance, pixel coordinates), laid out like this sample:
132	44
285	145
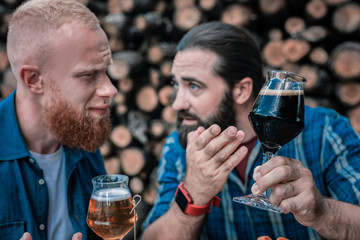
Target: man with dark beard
217	75
54	122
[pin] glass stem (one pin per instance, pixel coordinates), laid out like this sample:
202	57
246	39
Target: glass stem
266	157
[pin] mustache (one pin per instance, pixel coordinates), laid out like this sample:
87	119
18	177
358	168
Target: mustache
186	113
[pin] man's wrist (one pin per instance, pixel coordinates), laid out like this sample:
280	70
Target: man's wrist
185	202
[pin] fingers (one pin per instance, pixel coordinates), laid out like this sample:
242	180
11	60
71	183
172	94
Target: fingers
77	236
26	236
235	159
276	171
212	140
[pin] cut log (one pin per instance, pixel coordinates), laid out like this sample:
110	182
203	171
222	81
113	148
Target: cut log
124	63
160	51
183	3
349	93
346	19
158	129
112	165
147	99
295	49
275	35
291	67
187	17
316	9
271	7
237	14
354	118
105	149
121	136
345	61
125	84
165	68
273	53
319	56
294	25
156	147
154	77
311	74
314	34
9	83
132	160
120	98
121	109
168	114
335	2
166	95
136	185
4	60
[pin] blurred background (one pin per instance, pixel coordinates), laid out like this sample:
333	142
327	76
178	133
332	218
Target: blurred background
318	39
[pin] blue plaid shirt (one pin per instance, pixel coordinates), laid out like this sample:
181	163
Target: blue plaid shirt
328	146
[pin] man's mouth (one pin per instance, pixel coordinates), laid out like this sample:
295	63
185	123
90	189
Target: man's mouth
187	120
100	110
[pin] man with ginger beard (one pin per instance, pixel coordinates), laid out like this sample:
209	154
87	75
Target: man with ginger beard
54	122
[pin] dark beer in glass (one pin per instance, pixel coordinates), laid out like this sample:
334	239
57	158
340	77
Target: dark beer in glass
276	117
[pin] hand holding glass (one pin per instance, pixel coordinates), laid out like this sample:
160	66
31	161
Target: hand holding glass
110	207
276	117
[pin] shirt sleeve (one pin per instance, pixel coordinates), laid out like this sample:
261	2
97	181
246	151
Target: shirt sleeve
170	173
341	157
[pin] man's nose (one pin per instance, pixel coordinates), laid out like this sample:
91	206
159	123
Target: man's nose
107	89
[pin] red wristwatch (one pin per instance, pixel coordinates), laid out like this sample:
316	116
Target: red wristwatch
183	199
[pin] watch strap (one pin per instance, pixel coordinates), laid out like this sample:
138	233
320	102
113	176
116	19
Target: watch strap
185	202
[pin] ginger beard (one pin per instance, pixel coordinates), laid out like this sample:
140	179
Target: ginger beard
224	117
74	128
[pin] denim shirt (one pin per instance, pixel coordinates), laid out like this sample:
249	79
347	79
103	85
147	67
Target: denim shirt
24	198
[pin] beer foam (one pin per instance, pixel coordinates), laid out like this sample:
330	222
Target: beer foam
282	92
111	194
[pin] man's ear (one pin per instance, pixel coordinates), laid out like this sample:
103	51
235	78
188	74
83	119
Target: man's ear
242	90
30	76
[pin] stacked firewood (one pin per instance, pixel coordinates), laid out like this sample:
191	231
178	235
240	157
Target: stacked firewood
318	39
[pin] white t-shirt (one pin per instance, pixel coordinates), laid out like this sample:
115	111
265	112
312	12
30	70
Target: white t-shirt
53	166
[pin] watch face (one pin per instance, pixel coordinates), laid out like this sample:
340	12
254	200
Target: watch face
181	200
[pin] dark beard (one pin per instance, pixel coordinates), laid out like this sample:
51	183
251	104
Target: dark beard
73	128
224	117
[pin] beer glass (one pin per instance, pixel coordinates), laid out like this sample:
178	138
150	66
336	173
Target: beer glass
110	207
277	117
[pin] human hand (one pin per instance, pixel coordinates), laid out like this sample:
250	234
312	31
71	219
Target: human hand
76	236
293	189
210	157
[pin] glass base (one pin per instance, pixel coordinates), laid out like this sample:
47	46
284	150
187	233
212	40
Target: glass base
258	201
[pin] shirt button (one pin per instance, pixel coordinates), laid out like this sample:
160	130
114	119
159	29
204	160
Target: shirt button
41	181
41	227
31	160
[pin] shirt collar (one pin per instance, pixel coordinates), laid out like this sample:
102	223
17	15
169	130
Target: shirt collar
12	143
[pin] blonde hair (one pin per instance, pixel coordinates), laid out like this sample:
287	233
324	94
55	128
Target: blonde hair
34	24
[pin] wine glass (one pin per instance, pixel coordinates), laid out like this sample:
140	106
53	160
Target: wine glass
277	117
110	213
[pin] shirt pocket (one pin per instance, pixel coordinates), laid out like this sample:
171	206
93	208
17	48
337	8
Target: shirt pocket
12	230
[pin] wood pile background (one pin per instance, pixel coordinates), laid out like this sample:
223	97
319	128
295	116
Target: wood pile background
318	39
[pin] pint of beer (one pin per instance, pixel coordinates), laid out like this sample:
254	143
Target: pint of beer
109	212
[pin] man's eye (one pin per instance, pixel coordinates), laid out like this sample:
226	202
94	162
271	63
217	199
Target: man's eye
194	86
88	75
174	84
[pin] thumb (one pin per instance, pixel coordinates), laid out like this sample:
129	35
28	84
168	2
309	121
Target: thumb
77	236
26	236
